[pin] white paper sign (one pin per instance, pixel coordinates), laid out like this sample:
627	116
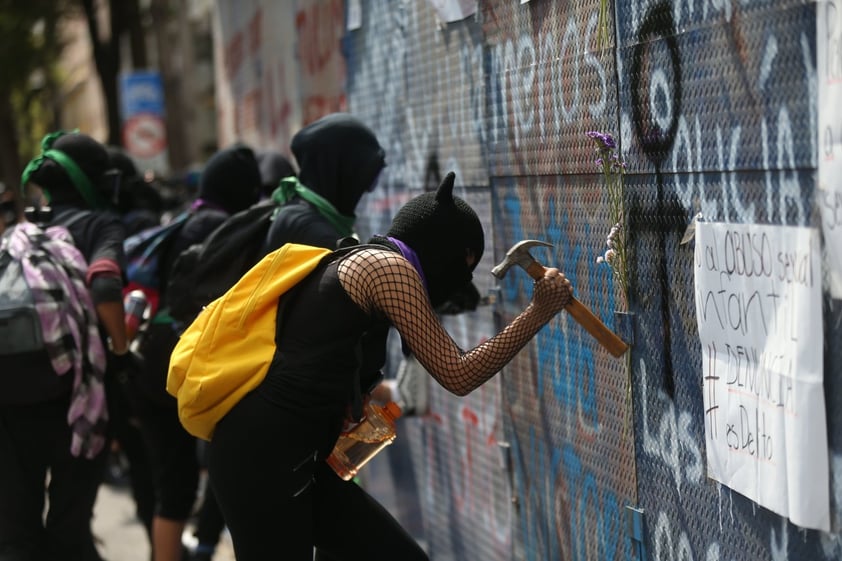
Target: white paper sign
758	307
355	14
454	10
829	71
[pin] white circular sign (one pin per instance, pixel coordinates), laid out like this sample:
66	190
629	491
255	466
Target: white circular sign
145	136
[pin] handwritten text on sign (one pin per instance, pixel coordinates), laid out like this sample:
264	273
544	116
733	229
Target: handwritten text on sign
758	305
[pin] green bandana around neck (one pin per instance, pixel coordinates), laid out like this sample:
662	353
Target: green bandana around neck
77	176
291	187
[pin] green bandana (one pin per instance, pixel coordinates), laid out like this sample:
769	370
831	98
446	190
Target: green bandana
291	187
77	176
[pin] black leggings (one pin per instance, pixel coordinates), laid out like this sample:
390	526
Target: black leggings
172	453
123	428
279	502
35	439
171	449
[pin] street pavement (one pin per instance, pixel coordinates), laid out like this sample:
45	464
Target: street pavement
120	535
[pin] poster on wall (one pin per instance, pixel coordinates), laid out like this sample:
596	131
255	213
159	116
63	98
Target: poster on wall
829	71
758	307
256	77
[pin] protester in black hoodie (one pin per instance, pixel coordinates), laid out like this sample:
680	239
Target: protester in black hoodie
139	203
229	183
339	160
274	166
66	433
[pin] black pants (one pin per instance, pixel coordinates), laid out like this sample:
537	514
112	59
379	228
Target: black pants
171	449
279	502
209	524
123	427
33	440
175	467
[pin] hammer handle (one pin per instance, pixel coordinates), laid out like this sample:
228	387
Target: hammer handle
586	318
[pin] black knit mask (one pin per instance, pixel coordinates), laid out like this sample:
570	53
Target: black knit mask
339	158
72	170
443	230
231	178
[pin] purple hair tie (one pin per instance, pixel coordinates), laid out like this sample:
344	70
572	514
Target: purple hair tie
204	203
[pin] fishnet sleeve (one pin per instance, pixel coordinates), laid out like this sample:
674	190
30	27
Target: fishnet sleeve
383	280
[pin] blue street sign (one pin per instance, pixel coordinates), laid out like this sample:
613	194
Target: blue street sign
141	92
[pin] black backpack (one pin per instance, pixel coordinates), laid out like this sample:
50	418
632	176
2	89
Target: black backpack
204	272
20	327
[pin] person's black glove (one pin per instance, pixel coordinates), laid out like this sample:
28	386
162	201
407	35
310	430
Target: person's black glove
122	366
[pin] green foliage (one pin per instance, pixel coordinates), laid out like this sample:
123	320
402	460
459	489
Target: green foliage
28	40
29	49
603	28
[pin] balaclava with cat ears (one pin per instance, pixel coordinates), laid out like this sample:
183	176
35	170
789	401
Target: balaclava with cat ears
443	230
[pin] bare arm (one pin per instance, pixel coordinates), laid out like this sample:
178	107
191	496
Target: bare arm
112	319
384	280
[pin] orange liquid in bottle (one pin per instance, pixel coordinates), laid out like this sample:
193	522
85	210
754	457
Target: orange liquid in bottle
356	447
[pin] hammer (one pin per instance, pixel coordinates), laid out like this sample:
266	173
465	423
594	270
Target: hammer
519	255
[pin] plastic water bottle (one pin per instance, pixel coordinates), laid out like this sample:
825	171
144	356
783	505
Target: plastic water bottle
135	304
357	446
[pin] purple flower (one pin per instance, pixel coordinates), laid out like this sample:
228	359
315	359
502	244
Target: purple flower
604	139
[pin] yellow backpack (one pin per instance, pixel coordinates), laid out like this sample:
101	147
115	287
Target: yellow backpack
227	350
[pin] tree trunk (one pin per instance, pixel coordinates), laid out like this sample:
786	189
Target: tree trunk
177	137
137	39
10	164
107	60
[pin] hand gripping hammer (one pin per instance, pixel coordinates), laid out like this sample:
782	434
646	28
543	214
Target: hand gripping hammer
519	255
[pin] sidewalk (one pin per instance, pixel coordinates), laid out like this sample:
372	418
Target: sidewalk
119	534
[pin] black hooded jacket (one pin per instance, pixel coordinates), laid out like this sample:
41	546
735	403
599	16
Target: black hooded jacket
339	158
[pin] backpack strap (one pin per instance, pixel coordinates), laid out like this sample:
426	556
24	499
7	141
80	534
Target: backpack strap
357	393
74	218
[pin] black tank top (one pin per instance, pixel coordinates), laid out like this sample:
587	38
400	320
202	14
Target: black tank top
323	339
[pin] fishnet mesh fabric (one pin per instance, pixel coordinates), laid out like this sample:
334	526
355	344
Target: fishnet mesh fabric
385	281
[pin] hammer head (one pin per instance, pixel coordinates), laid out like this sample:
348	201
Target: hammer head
517	255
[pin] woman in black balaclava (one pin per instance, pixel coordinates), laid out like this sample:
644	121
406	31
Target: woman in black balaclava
139	203
433	225
230	182
274	166
231	179
72	171
267	457
339	159
72	174
75	177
